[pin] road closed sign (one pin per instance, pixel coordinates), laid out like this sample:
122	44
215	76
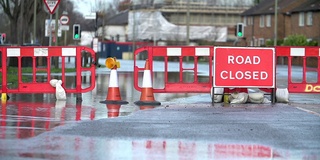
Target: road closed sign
244	67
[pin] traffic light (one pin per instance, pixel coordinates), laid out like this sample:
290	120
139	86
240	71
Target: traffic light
240	30
76	32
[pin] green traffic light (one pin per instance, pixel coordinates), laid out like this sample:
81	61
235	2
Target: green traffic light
239	34
76	36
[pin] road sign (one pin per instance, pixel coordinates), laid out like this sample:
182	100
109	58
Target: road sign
244	67
51	28
90	16
64	27
51	5
64	19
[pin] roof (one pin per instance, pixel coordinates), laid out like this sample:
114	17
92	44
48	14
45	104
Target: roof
258	8
310	5
119	19
267	7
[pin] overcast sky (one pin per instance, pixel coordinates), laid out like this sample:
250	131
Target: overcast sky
87	6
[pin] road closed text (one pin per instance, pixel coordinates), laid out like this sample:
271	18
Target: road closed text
243	60
244	67
255	75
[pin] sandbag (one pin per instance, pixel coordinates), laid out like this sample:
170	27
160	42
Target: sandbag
60	92
256	97
266	100
59	106
218	94
53	82
282	95
238	98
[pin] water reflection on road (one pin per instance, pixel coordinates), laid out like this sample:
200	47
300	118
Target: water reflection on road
27	115
78	147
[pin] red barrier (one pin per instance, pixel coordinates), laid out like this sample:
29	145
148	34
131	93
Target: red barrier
302	85
169	54
46	54
181	54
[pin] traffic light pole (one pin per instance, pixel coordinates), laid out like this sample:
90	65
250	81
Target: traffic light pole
236	41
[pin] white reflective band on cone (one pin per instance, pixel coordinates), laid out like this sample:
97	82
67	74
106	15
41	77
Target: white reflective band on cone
113	81
146	79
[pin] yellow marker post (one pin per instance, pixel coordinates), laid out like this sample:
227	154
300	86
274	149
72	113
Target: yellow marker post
3	97
226	98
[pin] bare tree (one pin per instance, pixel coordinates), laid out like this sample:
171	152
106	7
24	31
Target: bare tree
12	8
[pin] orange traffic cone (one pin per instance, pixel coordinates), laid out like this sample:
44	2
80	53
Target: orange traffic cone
113	96
147	97
113	110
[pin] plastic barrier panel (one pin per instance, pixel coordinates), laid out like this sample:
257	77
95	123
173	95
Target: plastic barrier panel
186	63
304	60
30	69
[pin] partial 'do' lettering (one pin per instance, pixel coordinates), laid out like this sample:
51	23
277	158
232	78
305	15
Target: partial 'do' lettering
311	88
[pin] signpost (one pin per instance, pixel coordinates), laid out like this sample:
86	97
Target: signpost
244	67
52	6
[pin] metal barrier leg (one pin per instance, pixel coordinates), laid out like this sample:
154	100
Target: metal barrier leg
212	96
273	95
79	97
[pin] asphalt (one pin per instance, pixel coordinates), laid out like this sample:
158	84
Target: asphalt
236	123
287	131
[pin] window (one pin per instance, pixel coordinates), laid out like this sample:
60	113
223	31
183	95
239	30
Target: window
309	18
256	42
250	20
261	42
245	20
262	21
268	20
301	19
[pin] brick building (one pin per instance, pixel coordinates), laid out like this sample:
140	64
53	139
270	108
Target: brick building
294	17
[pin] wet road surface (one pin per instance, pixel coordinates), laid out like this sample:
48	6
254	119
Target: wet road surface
185	126
173	131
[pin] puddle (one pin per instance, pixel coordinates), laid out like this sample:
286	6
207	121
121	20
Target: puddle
21	120
77	147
